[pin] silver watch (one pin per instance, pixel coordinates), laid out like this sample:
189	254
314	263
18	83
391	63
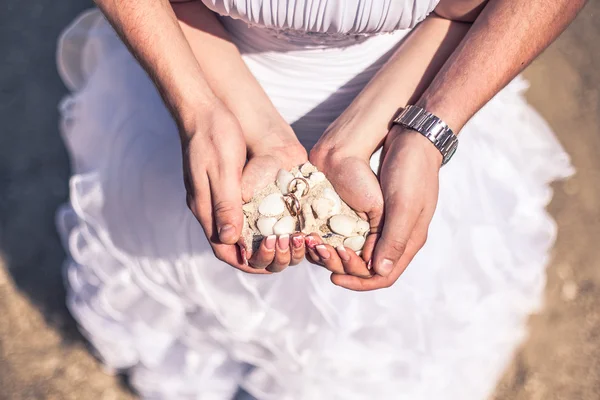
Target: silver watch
430	126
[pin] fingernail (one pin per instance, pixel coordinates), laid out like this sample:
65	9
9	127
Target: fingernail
344	255
323	252
284	242
226	229
244	255
385	267
270	242
297	241
311	242
370	265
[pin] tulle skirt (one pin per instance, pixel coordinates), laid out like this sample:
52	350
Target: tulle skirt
155	303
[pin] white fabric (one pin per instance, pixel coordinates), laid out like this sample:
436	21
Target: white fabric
152	299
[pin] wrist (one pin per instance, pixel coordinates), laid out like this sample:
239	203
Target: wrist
407	138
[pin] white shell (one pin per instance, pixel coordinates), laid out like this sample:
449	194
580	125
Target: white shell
310	224
362	227
323	207
342	224
283	180
316	178
307	168
329	193
265	225
286	225
271	205
248	208
355	243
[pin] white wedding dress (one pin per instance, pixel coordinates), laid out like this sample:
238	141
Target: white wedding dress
154	302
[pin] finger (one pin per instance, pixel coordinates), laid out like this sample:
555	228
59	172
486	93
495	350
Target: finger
352	264
313	257
377	281
401	215
232	255
311	242
265	254
415	243
257	174
298	249
330	258
226	195
282	254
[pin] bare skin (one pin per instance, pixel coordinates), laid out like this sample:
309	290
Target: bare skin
505	37
230	146
220	128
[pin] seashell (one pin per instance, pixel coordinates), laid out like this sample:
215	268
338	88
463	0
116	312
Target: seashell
355	243
248	208
362	227
283	180
271	205
265	225
323	207
316	178
307	168
329	193
285	226
342	224
310	224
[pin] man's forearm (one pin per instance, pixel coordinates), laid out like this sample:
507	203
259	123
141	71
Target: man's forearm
505	38
151	31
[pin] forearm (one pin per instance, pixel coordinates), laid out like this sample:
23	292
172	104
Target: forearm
150	30
401	81
229	77
506	36
188	54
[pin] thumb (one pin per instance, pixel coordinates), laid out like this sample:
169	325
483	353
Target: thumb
258	173
226	196
399	222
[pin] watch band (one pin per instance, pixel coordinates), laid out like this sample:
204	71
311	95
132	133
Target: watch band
430	126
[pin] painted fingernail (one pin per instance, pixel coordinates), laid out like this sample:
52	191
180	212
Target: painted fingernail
284	242
344	255
323	252
297	241
385	267
311	242
270	242
244	255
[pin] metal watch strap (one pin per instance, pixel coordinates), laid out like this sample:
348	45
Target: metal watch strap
430	126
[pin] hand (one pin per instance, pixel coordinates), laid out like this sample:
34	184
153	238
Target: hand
409	188
217	179
264	161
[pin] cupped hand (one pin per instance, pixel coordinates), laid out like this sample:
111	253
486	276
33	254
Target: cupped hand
221	172
399	205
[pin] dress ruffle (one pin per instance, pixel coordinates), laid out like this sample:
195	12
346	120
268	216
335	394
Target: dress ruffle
154	302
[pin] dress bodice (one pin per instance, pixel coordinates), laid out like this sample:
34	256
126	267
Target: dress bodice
327	16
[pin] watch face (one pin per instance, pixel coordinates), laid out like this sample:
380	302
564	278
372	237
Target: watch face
450	152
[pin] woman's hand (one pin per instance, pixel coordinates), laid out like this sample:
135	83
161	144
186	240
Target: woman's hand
399	208
218	179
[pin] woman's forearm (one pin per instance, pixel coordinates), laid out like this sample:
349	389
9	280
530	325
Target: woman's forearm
229	77
506	36
192	61
401	81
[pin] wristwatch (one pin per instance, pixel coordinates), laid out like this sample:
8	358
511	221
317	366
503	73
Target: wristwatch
430	126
